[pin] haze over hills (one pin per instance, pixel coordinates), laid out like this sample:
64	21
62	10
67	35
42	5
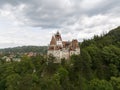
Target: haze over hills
25	49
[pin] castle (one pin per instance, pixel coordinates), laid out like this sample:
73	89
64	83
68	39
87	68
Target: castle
62	49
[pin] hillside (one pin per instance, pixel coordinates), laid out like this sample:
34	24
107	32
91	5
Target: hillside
25	49
111	38
96	68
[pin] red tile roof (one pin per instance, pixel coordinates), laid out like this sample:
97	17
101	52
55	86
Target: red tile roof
66	44
53	41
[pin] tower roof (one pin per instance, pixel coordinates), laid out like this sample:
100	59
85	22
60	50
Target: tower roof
56	43
53	41
58	36
75	43
57	33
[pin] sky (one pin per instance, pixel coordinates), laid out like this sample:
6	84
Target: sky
33	22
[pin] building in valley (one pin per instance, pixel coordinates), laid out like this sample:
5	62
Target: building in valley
62	49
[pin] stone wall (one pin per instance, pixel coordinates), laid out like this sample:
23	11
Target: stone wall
59	54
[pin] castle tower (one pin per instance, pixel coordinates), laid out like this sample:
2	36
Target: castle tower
56	42
62	49
58	39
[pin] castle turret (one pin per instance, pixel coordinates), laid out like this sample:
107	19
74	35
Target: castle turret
62	49
58	39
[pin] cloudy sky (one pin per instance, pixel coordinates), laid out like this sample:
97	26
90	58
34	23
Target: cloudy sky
33	22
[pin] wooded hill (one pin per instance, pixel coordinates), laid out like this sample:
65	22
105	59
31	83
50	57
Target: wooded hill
96	68
111	38
25	49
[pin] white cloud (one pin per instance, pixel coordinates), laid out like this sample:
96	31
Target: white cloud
87	4
32	22
88	26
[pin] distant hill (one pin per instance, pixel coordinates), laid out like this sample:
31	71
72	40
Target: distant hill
96	68
25	49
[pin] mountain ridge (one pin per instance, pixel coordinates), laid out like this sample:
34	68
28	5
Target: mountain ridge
25	49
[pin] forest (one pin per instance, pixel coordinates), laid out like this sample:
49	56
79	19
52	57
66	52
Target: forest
96	68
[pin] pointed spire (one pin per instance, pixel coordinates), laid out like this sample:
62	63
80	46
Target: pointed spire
52	42
57	33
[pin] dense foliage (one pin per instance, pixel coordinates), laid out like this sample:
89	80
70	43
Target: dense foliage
96	68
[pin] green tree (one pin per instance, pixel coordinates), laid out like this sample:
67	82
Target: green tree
12	82
97	84
115	81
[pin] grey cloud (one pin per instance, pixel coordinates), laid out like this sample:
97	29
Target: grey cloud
102	8
56	14
7	45
80	19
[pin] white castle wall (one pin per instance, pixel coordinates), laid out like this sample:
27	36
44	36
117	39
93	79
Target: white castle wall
65	54
59	54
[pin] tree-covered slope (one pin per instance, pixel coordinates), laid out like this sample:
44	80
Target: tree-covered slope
96	68
111	38
99	62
